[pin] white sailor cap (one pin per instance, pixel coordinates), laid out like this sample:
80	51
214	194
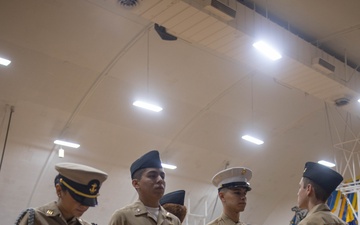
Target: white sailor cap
234	177
83	182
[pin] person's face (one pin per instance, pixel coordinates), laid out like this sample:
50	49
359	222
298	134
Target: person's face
302	195
152	183
69	207
234	199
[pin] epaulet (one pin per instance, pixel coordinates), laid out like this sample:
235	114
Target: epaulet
31	217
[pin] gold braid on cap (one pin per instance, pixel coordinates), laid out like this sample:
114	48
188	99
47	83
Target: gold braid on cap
76	191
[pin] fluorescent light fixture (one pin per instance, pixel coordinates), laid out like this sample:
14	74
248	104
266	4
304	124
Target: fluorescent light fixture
148	106
326	163
359	100
252	139
61	153
4	62
65	143
168	166
267	50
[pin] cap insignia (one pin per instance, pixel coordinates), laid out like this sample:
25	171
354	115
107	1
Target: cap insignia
93	188
49	212
243	171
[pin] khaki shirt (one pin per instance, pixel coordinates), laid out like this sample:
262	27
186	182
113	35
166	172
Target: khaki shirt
50	214
224	220
136	214
321	215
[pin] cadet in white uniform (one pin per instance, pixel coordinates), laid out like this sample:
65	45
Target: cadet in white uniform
233	185
77	187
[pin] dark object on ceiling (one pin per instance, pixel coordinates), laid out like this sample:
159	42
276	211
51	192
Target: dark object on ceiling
163	34
342	101
223	8
128	3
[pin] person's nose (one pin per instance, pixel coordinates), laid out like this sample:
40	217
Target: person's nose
160	179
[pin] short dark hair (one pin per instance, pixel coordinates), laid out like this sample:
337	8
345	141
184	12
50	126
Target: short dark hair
178	210
57	181
138	174
320	192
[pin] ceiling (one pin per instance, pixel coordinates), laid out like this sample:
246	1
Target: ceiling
78	65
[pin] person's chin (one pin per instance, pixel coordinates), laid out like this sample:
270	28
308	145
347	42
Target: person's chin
242	207
79	213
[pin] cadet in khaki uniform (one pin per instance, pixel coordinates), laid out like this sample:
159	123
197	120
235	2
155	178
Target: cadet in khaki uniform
77	187
316	185
148	178
232	187
173	202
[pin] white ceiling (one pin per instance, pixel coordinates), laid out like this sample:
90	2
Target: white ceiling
78	65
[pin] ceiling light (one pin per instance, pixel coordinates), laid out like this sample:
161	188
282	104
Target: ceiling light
61	153
326	163
359	100
168	166
267	50
252	139
148	106
4	62
65	143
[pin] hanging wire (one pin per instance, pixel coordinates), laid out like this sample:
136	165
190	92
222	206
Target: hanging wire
103	74
3	121
148	61
6	135
252	101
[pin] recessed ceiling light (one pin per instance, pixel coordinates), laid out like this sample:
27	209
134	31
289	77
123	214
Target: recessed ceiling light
148	106
252	139
4	62
168	166
65	143
326	163
267	50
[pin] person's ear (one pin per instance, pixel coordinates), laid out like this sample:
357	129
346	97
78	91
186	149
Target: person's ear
221	196
58	190
135	183
309	189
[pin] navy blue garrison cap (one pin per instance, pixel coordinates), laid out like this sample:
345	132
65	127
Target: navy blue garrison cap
325	177
175	197
148	160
